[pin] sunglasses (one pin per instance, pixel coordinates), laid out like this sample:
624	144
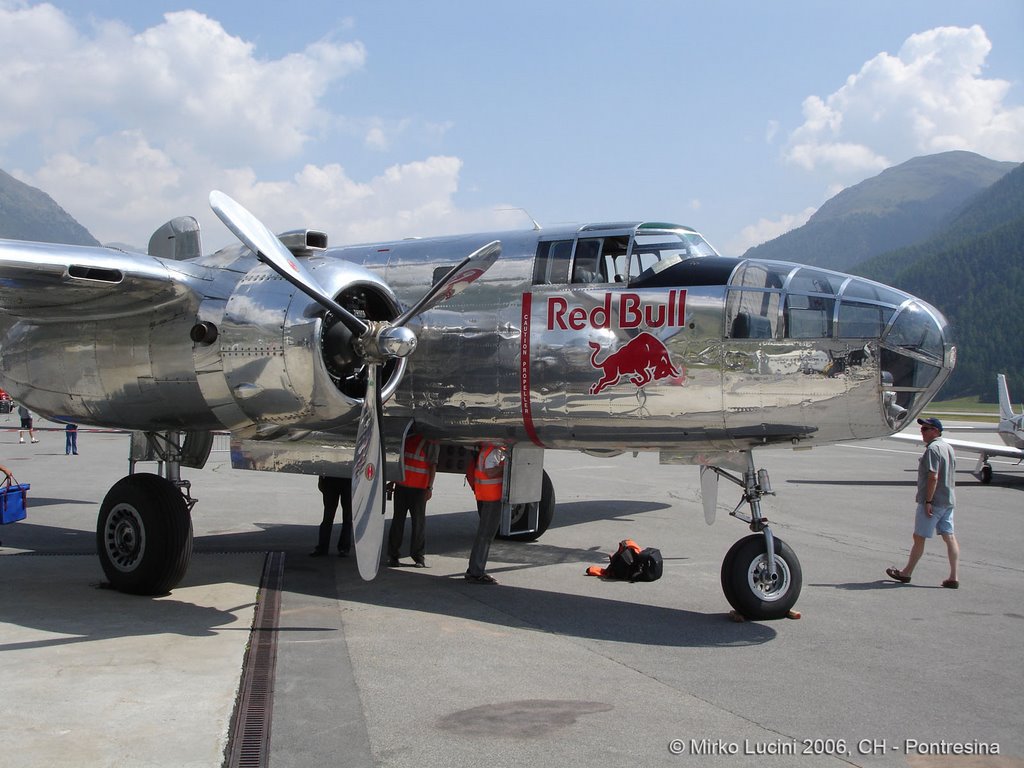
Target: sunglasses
926	428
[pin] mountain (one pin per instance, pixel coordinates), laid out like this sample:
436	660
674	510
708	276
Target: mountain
27	213
901	206
973	271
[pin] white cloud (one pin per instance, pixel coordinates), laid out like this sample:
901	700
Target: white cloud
127	130
185	81
765	230
377	139
929	98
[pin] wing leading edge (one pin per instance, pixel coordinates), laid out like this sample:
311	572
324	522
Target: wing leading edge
51	282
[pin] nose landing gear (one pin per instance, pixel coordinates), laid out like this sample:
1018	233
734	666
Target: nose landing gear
761	575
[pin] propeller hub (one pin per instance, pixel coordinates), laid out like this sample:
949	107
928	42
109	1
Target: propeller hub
396	341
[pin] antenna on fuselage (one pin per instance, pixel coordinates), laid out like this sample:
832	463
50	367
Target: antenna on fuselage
536	226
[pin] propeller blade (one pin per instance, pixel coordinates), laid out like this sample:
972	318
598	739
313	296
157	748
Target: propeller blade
459	277
709	492
368	482
272	252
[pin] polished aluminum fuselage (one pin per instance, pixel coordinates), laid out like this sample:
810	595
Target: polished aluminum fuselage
107	338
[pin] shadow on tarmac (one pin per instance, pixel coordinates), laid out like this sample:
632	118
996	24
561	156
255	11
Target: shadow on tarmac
65	595
97	613
623	620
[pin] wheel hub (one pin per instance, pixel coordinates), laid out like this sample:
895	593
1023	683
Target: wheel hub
125	538
769	587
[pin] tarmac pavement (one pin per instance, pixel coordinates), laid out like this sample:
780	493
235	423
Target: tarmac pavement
421	668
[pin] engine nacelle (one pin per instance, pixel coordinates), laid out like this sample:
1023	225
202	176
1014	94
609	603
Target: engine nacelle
277	359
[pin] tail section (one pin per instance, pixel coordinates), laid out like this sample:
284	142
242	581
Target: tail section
1005	406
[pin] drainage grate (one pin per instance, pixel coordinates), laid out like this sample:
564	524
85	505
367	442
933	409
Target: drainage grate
249	739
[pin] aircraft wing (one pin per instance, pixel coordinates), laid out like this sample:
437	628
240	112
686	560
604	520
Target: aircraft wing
985	449
67	282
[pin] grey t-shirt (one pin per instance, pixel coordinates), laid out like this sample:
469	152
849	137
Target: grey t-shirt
938	457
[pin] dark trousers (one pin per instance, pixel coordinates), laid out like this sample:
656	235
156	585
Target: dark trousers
490	520
70	441
411	501
335	489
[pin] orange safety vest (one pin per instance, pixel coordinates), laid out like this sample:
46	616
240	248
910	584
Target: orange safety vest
416	462
596	570
485	488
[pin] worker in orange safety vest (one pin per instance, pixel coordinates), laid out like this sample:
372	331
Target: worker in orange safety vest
486	478
419	465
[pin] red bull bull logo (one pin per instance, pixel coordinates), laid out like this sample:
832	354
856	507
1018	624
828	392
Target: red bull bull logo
642	359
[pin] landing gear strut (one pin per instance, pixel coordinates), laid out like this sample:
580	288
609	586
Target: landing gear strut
144	529
761	575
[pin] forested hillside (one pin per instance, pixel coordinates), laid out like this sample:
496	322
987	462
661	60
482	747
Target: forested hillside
973	271
901	206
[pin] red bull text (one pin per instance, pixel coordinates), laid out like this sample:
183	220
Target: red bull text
631	312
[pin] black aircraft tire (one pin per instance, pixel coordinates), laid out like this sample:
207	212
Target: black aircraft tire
744	571
144	535
545	513
727	589
986	474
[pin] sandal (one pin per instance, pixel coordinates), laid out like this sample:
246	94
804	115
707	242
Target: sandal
951	584
896	575
482	579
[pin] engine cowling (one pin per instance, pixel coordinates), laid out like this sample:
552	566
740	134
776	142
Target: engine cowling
285	361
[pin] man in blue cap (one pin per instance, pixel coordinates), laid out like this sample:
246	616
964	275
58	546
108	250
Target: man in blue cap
935	501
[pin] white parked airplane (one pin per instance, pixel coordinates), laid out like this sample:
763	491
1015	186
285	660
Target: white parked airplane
1010	430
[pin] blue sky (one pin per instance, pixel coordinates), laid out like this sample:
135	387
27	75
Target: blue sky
377	119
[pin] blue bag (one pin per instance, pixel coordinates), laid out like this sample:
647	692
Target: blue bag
13	500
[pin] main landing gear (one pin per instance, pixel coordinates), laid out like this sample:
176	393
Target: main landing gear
761	575
144	529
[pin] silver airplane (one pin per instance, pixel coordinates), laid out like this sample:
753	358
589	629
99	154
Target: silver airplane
1010	431
603	338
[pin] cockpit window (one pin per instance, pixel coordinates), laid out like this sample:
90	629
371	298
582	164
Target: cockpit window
616	256
812	281
916	331
863	289
581	261
770	300
862	321
660	250
585	263
754	299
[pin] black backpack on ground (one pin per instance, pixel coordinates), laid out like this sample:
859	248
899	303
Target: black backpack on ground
630	563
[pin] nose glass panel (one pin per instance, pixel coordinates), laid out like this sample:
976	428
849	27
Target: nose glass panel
913	358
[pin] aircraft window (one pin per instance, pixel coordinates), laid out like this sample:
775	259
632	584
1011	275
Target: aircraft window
906	371
698	245
808	317
552	265
587	261
862	289
915	330
753	314
613	254
811	281
668	247
586	265
862	321
753	274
